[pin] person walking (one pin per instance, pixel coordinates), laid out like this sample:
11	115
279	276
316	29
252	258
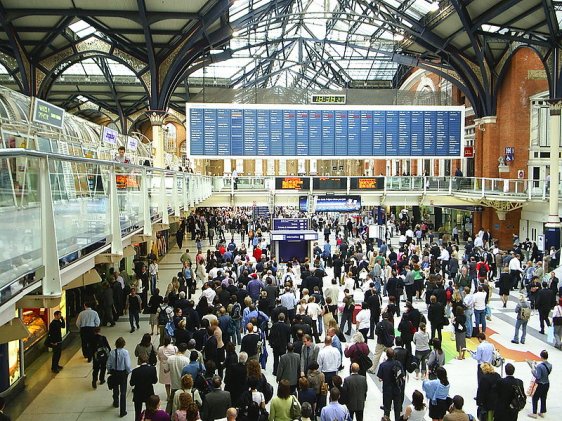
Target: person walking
523	311
486	395
119	366
101	354
391	389
143	379
280	405
505	389
334	411
437	391
164	352
541	373
55	340
385	339
484	353
279	337
421	341
355	389
216	403
557	322
289	367
436	316
544	302
133	304
86	321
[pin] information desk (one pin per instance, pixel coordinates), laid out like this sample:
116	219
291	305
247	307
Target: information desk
287	244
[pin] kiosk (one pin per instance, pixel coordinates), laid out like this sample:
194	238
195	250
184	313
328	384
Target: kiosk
292	237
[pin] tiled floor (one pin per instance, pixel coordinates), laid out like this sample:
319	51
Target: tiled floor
69	395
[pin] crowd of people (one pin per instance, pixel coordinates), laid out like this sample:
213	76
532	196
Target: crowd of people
229	307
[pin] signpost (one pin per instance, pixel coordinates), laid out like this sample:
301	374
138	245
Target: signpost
46	113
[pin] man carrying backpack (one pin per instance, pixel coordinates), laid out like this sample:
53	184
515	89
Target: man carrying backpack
101	353
391	374
511	396
523	311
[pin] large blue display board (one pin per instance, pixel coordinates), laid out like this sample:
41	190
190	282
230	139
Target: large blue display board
226	130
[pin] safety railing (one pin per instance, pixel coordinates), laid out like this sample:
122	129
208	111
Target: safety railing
84	201
516	189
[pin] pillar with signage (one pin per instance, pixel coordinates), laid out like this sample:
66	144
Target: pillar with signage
292	237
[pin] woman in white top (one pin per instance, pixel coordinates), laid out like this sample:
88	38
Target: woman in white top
164	352
349	282
417	410
363	320
556	318
421	341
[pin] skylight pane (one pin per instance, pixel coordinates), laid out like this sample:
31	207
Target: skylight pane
81	29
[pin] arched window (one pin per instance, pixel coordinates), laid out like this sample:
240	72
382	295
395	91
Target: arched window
170	138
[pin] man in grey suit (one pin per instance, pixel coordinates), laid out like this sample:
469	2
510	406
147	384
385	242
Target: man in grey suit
355	389
288	369
309	354
216	402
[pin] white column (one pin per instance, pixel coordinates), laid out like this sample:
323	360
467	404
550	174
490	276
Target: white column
555	111
116	241
51	280
146	202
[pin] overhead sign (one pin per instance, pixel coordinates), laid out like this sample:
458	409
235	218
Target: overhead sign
259	130
109	135
292	183
331	204
290	224
468	152
328	99
366	183
48	114
132	143
329	183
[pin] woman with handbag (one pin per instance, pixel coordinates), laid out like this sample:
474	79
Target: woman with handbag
284	406
165	352
436	358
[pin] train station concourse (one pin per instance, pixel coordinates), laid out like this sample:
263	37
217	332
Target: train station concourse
311	207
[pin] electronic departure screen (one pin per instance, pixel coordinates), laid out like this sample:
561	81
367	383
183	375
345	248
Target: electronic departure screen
250	130
329	183
292	183
366	183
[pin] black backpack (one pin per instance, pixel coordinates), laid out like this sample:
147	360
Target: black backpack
163	317
398	374
519	399
101	353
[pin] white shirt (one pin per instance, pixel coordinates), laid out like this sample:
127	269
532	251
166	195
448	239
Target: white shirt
153	269
409	233
469	301
349	283
363	319
313	310
444	255
515	264
480	300
176	363
209	294
478	242
329	359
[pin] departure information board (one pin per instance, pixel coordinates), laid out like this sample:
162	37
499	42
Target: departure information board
235	130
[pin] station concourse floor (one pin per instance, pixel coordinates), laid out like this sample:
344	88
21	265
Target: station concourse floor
69	396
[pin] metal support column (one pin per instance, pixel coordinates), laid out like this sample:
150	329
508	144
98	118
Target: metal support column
552	227
163	202
146	203
51	280
116	241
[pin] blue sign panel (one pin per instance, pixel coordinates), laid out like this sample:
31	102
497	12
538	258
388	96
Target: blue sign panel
255	131
341	133
302	133
290	224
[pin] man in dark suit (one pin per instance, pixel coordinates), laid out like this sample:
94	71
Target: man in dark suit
216	403
289	368
142	379
505	390
279	337
355	388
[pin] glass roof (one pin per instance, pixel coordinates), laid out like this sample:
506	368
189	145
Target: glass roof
312	43
81	29
90	67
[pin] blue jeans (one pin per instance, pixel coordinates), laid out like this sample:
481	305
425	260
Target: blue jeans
523	325
236	337
152	283
480	319
468	324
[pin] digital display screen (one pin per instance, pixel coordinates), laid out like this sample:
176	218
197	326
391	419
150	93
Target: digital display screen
330	204
292	183
329	183
367	183
328	99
